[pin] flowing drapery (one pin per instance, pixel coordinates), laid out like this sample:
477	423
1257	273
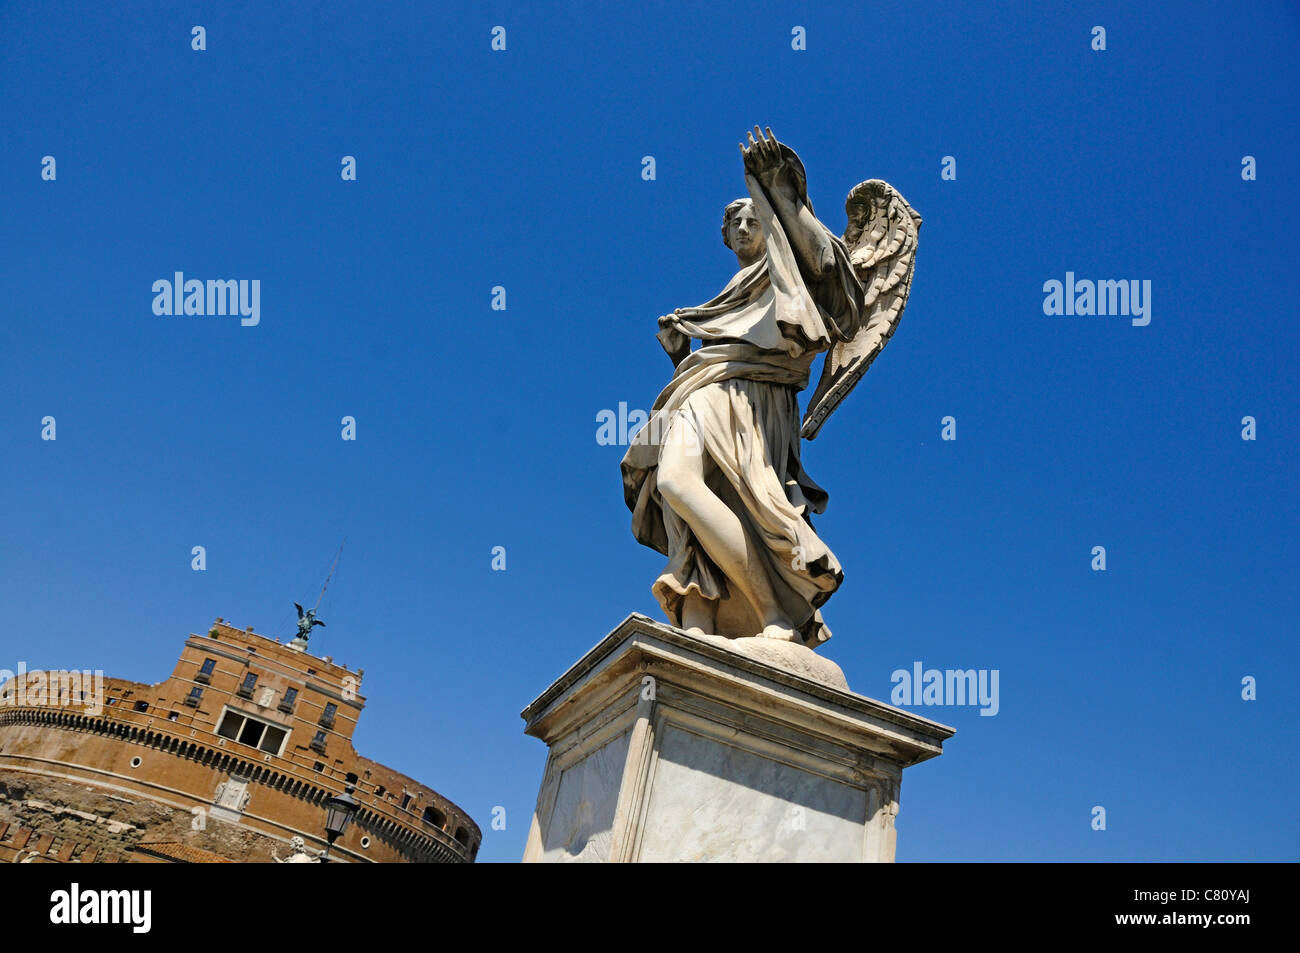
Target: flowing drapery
734	400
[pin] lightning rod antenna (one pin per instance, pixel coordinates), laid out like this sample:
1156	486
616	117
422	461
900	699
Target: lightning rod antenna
335	565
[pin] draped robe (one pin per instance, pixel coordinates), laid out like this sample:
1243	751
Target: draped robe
734	399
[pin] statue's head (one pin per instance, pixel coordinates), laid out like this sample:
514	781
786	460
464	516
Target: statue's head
741	231
298	844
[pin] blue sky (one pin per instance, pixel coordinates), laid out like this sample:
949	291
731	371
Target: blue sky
476	428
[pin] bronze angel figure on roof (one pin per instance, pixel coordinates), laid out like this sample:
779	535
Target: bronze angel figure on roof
714	478
306	622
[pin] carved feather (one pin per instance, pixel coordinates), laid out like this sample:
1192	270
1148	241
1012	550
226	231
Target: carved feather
881	238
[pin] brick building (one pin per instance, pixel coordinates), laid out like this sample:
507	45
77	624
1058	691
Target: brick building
228	759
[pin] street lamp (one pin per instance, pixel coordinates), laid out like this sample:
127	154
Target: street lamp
339	811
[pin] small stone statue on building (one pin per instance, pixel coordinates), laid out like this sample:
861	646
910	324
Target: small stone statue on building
299	853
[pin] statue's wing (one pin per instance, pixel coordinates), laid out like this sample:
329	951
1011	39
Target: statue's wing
299	608
318	622
881	238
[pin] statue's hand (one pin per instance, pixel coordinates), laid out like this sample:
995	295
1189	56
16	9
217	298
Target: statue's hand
763	158
675	344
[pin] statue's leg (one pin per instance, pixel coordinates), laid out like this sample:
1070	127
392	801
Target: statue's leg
681	479
699	615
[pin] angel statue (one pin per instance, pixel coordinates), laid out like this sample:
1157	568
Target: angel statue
714	479
306	622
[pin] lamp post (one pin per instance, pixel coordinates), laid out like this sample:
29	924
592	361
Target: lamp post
339	811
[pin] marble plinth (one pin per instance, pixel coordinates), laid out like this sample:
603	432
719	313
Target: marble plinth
670	747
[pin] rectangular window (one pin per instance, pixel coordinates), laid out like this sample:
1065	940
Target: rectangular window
192	699
273	740
205	671
327	717
247	686
290	696
318	742
230	725
251	733
142	706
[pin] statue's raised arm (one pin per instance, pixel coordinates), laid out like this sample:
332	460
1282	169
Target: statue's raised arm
778	170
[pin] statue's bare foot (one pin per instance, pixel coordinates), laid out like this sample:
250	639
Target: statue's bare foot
780	632
695	630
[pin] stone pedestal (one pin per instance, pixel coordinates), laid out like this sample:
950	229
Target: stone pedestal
670	747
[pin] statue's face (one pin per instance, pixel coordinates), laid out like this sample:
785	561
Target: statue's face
745	234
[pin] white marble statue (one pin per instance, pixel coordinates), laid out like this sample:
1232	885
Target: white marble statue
298	855
714	479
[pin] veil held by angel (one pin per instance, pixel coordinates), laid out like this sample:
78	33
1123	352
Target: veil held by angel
714	479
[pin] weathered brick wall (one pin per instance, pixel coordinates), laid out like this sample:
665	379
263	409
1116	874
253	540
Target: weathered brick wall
76	813
74	821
